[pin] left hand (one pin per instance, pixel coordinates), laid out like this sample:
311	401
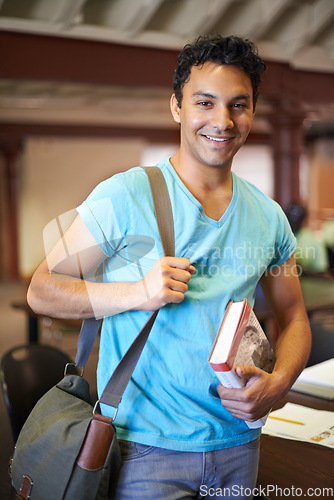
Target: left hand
255	400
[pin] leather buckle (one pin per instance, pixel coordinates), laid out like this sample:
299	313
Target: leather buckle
25	490
95	410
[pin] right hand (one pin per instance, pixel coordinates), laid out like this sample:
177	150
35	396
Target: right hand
166	282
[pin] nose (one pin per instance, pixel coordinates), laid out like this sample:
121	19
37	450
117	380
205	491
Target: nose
222	118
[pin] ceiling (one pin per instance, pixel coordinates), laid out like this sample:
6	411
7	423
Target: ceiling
299	32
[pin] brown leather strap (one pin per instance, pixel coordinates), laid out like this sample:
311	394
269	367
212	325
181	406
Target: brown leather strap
163	209
96	444
119	380
113	391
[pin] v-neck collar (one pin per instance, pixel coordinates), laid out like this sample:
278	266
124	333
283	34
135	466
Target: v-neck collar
215	223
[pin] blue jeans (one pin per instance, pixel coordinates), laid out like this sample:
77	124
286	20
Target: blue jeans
150	473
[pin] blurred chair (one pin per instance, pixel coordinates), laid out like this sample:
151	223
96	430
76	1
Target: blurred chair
26	373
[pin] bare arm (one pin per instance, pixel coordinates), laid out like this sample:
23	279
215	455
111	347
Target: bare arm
262	391
293	345
58	288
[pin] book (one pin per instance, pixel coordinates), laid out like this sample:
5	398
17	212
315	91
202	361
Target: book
240	341
317	380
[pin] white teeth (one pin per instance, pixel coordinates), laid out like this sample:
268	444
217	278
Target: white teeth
216	139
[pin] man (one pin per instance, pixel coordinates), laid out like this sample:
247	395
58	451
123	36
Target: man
181	437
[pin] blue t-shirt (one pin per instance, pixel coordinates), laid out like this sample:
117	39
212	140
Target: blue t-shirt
172	400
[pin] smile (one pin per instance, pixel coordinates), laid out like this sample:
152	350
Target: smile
218	139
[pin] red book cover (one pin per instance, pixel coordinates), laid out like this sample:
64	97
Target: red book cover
240	341
247	344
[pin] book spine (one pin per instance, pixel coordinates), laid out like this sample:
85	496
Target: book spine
239	333
230	379
221	327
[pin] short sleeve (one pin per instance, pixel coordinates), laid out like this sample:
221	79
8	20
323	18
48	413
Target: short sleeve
285	242
98	214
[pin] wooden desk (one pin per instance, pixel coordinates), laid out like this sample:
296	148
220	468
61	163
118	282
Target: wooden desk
294	464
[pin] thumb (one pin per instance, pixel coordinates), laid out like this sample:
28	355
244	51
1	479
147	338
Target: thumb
248	372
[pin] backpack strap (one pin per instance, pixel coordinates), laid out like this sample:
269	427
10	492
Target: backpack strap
118	381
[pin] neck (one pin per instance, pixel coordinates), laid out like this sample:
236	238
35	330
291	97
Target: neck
199	176
211	186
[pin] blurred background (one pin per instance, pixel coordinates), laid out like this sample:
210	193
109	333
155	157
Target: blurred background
84	93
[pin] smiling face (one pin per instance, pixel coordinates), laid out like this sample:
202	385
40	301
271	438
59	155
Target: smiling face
215	115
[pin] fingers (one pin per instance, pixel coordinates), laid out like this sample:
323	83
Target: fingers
237	403
228	395
176	273
181	263
252	401
167	282
175	277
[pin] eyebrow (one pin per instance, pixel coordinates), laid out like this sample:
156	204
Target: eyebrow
239	97
204	94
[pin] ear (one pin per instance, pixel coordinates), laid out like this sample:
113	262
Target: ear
175	110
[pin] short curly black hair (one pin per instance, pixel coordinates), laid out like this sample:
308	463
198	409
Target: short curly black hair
231	50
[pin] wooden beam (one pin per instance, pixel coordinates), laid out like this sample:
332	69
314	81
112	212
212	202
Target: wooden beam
37	57
10	150
154	135
282	81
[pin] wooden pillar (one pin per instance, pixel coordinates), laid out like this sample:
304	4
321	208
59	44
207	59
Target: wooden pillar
287	144
10	150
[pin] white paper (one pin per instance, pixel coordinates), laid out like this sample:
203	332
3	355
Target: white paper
321	373
310	425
